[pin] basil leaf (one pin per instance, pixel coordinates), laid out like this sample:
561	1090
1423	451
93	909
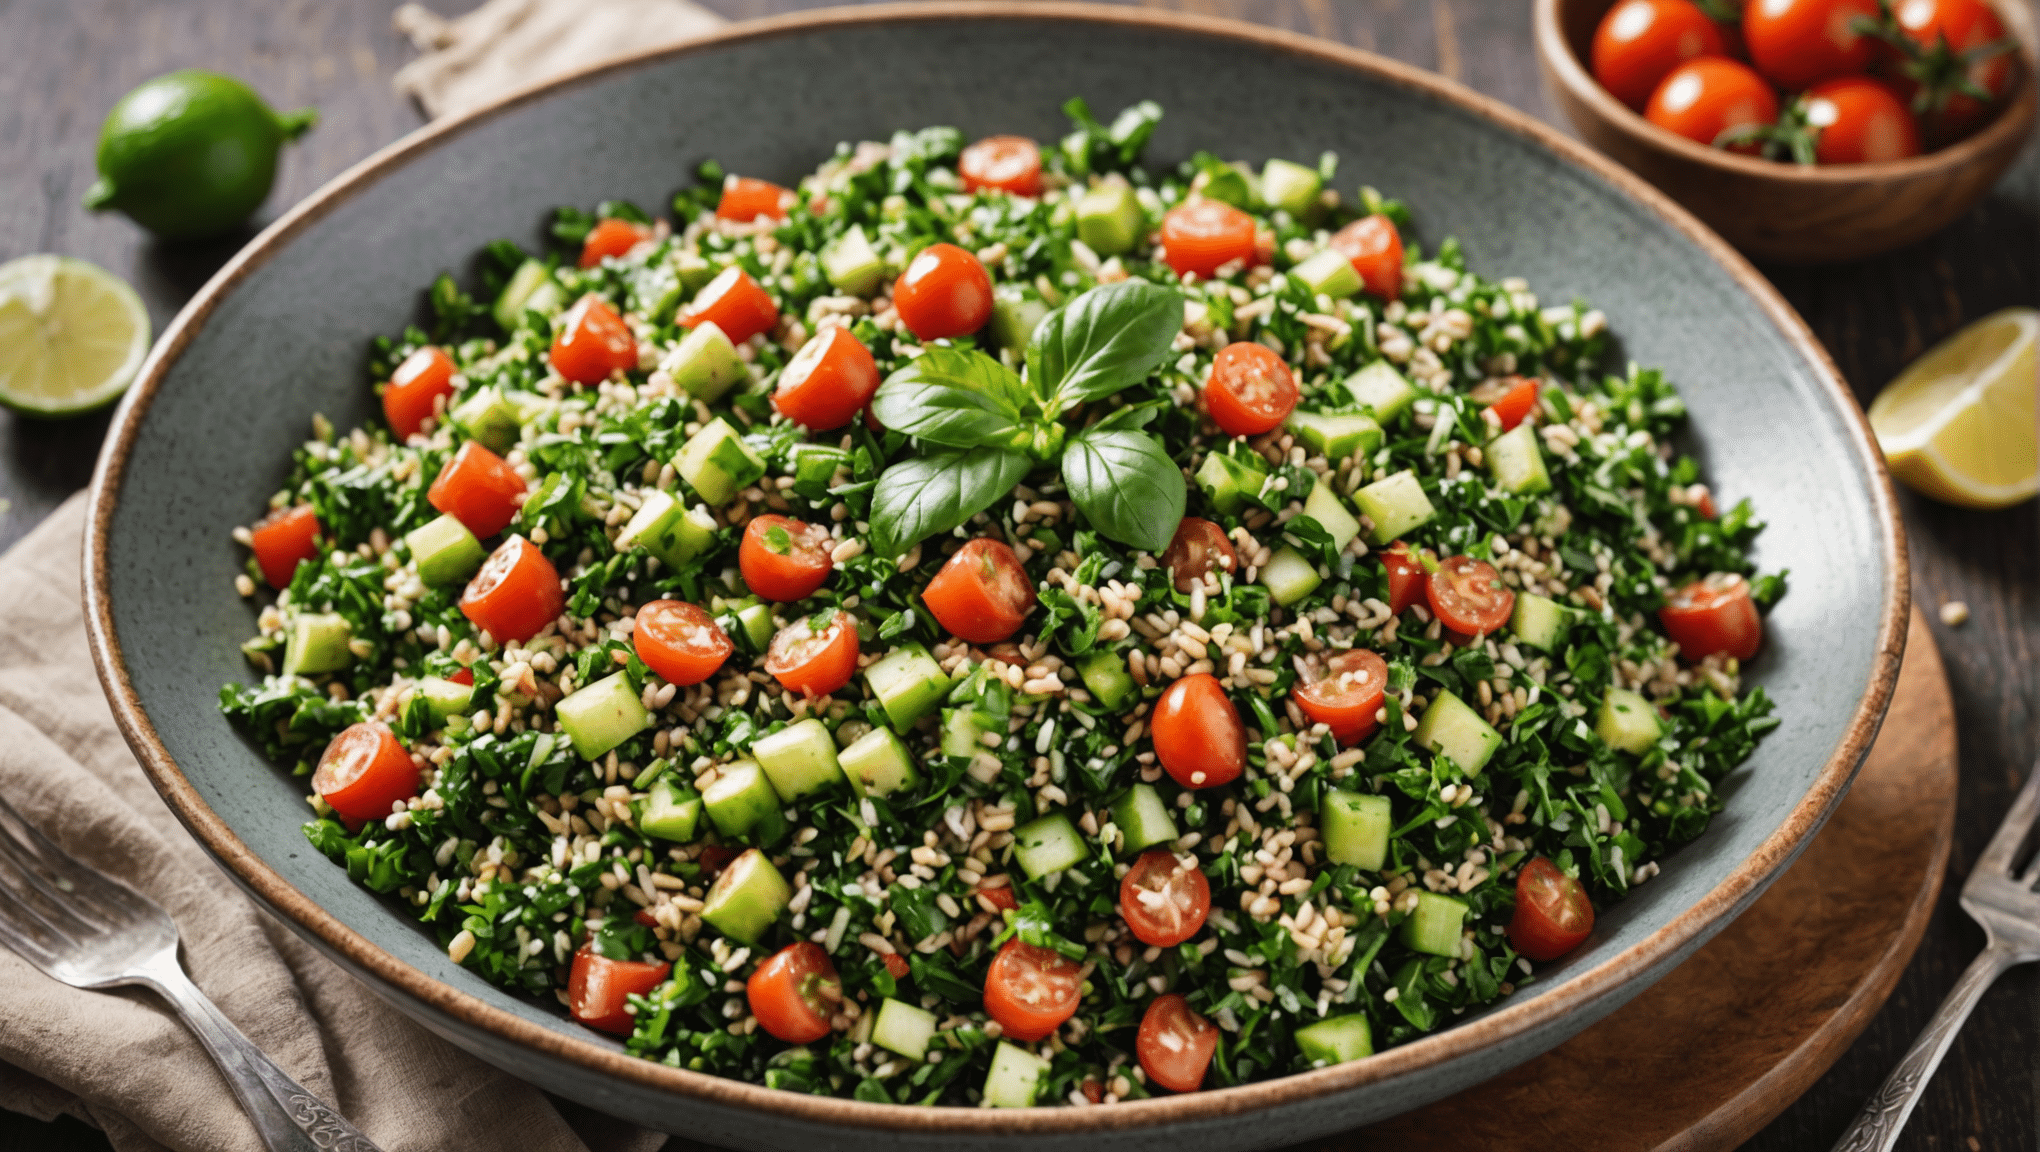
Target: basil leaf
1102	341
1137	416
952	397
1125	483
918	498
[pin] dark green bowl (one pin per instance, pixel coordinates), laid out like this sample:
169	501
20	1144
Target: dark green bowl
282	333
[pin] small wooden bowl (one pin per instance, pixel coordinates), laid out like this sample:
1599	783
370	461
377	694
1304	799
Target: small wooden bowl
1779	211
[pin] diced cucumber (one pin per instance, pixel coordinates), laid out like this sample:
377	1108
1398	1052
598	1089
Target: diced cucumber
851	264
317	642
1628	722
1539	622
753	619
903	1028
1516	463
1291	187
693	269
908	683
1110	219
1324	506
1015	316
1396	504
717	463
799	759
664	527
444	697
531	287
1143	817
743	804
1356	827
1434	925
748	896
1229	482
878	764
445	551
1233	184
1289	576
963	730
602	715
704	364
1337	437
1047	844
1335	1040
1015	1078
490	417
1453	730
1382	389
1104	673
671	812
1328	273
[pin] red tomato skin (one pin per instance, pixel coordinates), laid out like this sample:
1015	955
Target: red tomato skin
1348	710
1640	41
363	772
1714	617
1250	390
282	540
1147	927
1863	122
789	576
1543	894
823	672
1705	97
945	291
1469	596
1198	548
1197	733
1517	399
1003	164
896	966
745	199
478	488
598	989
1798	43
1376	251
679	641
516	594
784	990
1011	971
611	237
1179	1069
713	858
982	594
1203	236
592	342
735	303
1409	577
828	382
410	397
1965	26
464	676
1001	897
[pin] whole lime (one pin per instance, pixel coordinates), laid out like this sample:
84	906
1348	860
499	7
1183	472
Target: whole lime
191	154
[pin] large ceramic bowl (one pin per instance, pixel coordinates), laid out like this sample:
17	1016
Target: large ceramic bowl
281	333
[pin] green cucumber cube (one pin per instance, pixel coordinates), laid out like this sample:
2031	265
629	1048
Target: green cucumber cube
908	683
717	463
743	804
1356	829
756	621
799	759
1328	273
445	551
878	764
1539	622
1452	729
1335	1040
1324	506
1015	1078
963	730
1291	187
1434	925
1143	817
666	528
444	697
1015	316
1110	219
671	812
1232	184
851	264
903	1028
1396	504
1289	576
1104	673
1337	437
1516	463
693	269
1229	483
531	287
704	364
748	896
1382	390
317	642
1047	844
602	715
490	417
1628	722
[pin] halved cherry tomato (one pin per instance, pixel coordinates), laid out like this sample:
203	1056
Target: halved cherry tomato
1955	40
794	992
464	676
679	641
734	303
1031	990
1163	899
982	594
1704	98
1409	575
611	237
1348	694
814	662
1003	163
1510	398
1639	41
1198	548
1001	897
1197	733
478	488
785	559
1714	616
1860	122
1469	596
593	341
364	772
1250	389
599	989
1798	43
282	539
945	291
828	381
896	965
745	199
1553	913
516	594
1375	248
410	397
1175	1044
1205	235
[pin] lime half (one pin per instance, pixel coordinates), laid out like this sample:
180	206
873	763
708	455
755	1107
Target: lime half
72	335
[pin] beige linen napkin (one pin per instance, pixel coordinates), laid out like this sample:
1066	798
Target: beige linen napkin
122	1060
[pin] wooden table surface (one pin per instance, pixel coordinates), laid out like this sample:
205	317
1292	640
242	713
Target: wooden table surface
63	64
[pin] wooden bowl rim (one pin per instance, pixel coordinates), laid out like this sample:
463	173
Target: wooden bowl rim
1579	993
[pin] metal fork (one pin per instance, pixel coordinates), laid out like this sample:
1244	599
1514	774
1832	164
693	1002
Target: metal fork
2001	900
92	931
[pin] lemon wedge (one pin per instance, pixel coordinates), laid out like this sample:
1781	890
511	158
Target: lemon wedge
1959	423
72	335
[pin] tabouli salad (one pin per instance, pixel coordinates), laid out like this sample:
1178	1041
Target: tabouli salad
998	625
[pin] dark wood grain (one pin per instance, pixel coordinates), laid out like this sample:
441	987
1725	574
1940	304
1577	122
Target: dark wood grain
63	64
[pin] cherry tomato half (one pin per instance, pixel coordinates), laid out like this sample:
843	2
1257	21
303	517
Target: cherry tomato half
1198	548
679	641
1639	41
745	199
1250	389
1002	163
1031	990
1510	398
1704	98
1798	43
478	488
828	382
1347	695
1553	913
945	291
364	772
794	992
1001	897
1860	122
812	662
1205	235
1164	898
1714	616
611	237
982	594
412	395
592	342
282	540
1197	733
1375	248
1409	575
1175	1044
785	559
516	594
1469	596
734	303
599	989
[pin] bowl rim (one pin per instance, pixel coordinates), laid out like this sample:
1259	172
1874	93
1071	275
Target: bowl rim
2012	125
1578	993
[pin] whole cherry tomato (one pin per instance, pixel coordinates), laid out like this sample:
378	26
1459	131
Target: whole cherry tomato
945	291
1164	898
1031	990
364	772
412	395
1175	1044
1703	99
1860	122
1956	43
1198	548
785	559
1639	41
1250	390
1714	616
1002	163
1375	248
1798	43
1203	236
679	641
1198	736
982	594
795	992
1553	913
1346	695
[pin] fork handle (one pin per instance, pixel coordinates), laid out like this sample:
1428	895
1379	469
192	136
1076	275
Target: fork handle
287	1116
1877	1126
